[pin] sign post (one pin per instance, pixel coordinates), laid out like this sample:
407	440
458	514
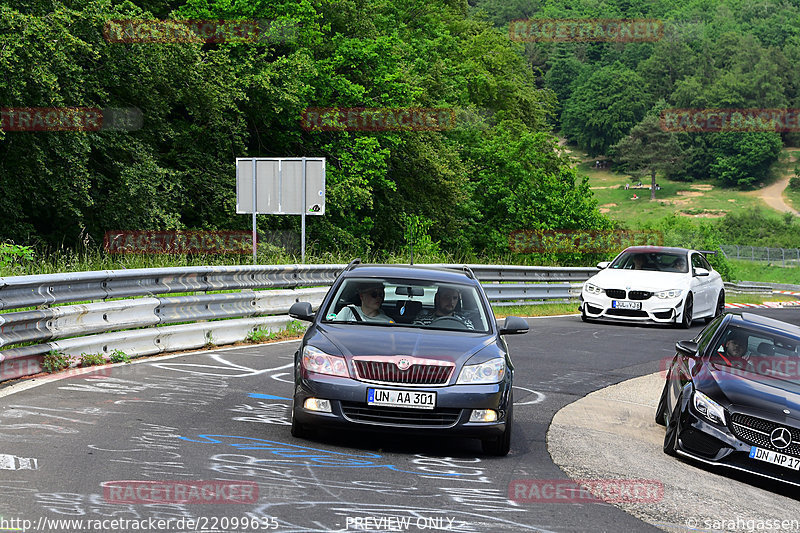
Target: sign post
281	186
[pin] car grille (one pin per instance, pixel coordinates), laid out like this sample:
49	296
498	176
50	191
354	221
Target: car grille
615	293
640	295
395	416
756	432
627	312
419	373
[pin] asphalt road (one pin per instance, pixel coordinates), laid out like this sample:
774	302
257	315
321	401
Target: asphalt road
73	448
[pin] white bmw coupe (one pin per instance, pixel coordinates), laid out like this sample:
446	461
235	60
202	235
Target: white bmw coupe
654	284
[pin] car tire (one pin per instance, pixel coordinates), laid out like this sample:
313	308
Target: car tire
583	316
671	435
661	410
720	304
500	446
688	310
299	431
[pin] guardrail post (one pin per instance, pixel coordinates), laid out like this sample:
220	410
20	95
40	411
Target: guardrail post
783	254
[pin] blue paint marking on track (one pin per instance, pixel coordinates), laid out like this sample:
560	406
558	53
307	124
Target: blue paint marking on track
292	454
267	396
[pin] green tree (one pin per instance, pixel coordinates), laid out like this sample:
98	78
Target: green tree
649	148
605	108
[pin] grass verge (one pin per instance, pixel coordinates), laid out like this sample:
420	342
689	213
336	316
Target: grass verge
767	272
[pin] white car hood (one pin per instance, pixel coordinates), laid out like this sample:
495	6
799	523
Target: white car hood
646	280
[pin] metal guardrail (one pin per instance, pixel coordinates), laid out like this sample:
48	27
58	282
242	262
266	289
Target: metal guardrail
121	300
747	288
131	310
785	256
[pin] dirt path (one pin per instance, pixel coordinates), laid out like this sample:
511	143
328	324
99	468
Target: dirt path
772	195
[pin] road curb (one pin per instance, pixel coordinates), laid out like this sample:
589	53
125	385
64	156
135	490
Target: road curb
611	434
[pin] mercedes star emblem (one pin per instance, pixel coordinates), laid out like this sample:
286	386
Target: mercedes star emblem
780	438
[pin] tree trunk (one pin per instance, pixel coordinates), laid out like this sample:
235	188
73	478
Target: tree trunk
652	184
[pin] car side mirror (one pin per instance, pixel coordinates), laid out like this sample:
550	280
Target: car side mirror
301	311
603	264
514	325
701	272
687	348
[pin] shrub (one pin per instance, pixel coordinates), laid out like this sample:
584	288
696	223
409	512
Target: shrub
118	356
92	359
55	361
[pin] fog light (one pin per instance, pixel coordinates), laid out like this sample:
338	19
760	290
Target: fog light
483	415
315	404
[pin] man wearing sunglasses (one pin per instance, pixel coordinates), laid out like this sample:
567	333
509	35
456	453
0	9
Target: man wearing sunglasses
371	295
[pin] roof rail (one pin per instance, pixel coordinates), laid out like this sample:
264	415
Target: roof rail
352	264
708	252
468	271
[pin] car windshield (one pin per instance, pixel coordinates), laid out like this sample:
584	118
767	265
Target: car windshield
763	353
404	302
661	261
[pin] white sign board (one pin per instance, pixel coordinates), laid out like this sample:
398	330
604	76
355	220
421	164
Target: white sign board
279	186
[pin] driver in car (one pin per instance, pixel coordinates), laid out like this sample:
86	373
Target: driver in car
445	303
734	351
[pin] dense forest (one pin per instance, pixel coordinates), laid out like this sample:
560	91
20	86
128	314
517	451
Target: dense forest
462	190
730	54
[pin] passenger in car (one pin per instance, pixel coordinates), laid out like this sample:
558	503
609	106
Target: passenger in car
371	295
444	303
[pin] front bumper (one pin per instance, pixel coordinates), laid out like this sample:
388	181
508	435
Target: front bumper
652	310
715	445
454	405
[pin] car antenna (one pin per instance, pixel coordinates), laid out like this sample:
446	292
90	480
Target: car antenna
468	271
352	264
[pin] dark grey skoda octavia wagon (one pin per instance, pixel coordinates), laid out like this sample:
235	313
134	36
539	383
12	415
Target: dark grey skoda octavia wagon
406	349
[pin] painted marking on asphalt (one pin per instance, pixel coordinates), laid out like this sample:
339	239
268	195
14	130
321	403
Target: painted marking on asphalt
266	396
278	377
539	397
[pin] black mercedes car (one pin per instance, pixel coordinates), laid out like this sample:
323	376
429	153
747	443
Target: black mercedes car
406	349
732	397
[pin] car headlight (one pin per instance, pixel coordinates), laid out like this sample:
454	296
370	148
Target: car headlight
592	289
672	293
315	360
489	372
709	408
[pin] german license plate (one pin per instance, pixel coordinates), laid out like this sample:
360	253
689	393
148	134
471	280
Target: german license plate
768	456
401	398
619	304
